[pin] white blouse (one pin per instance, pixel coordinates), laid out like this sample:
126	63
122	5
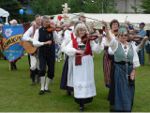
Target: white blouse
69	50
114	45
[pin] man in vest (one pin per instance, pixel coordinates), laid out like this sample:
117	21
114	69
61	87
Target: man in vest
46	53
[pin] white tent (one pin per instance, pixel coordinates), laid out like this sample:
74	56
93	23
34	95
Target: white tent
5	14
133	18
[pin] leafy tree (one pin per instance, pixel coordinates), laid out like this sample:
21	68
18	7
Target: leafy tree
12	7
47	7
51	7
92	6
146	6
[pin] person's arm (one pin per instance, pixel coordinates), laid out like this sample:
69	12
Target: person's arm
141	45
110	39
36	41
97	47
27	35
136	62
133	74
70	51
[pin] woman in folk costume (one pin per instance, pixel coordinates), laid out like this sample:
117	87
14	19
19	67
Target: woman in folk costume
67	76
108	58
125	62
33	58
83	66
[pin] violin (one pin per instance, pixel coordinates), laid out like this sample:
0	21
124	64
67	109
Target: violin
51	29
89	37
136	39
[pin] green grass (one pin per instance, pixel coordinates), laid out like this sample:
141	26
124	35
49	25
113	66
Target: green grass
17	95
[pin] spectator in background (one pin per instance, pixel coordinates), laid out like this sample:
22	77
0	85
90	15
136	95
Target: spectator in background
13	65
13	22
142	34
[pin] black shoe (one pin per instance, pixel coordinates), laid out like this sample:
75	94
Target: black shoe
33	84
41	92
47	91
69	93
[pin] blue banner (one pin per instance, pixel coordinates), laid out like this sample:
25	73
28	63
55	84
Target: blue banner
12	36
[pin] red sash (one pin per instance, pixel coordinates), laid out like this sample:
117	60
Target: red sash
78	57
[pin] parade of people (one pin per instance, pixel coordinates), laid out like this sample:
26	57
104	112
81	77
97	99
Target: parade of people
87	61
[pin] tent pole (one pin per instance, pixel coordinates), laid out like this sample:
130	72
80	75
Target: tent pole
6	20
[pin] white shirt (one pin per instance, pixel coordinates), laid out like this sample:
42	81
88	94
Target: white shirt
36	41
27	35
114	45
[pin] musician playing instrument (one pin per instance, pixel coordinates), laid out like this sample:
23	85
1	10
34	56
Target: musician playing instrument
33	58
83	65
125	63
46	53
108	58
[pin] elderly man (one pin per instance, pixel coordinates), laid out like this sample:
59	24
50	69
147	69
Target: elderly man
46	53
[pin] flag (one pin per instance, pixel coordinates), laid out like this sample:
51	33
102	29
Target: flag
12	36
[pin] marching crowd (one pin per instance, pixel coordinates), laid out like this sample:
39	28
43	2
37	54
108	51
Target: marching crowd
123	47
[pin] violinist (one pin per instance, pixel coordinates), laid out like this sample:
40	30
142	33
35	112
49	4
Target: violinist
125	57
46	54
108	57
83	65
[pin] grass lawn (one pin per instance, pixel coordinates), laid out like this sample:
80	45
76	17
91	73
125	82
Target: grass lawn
17	95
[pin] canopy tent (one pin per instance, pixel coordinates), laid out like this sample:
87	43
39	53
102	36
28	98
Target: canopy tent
133	18
5	14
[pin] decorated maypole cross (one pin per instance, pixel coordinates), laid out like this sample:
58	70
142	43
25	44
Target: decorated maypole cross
65	11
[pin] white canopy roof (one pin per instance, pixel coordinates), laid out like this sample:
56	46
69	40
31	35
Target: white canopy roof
133	18
3	13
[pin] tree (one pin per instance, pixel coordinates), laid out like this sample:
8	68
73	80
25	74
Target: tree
146	6
51	7
92	6
47	7
12	7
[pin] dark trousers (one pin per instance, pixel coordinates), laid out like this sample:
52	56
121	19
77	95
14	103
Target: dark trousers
34	74
49	61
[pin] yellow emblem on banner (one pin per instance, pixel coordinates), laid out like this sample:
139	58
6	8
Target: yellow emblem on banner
12	40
